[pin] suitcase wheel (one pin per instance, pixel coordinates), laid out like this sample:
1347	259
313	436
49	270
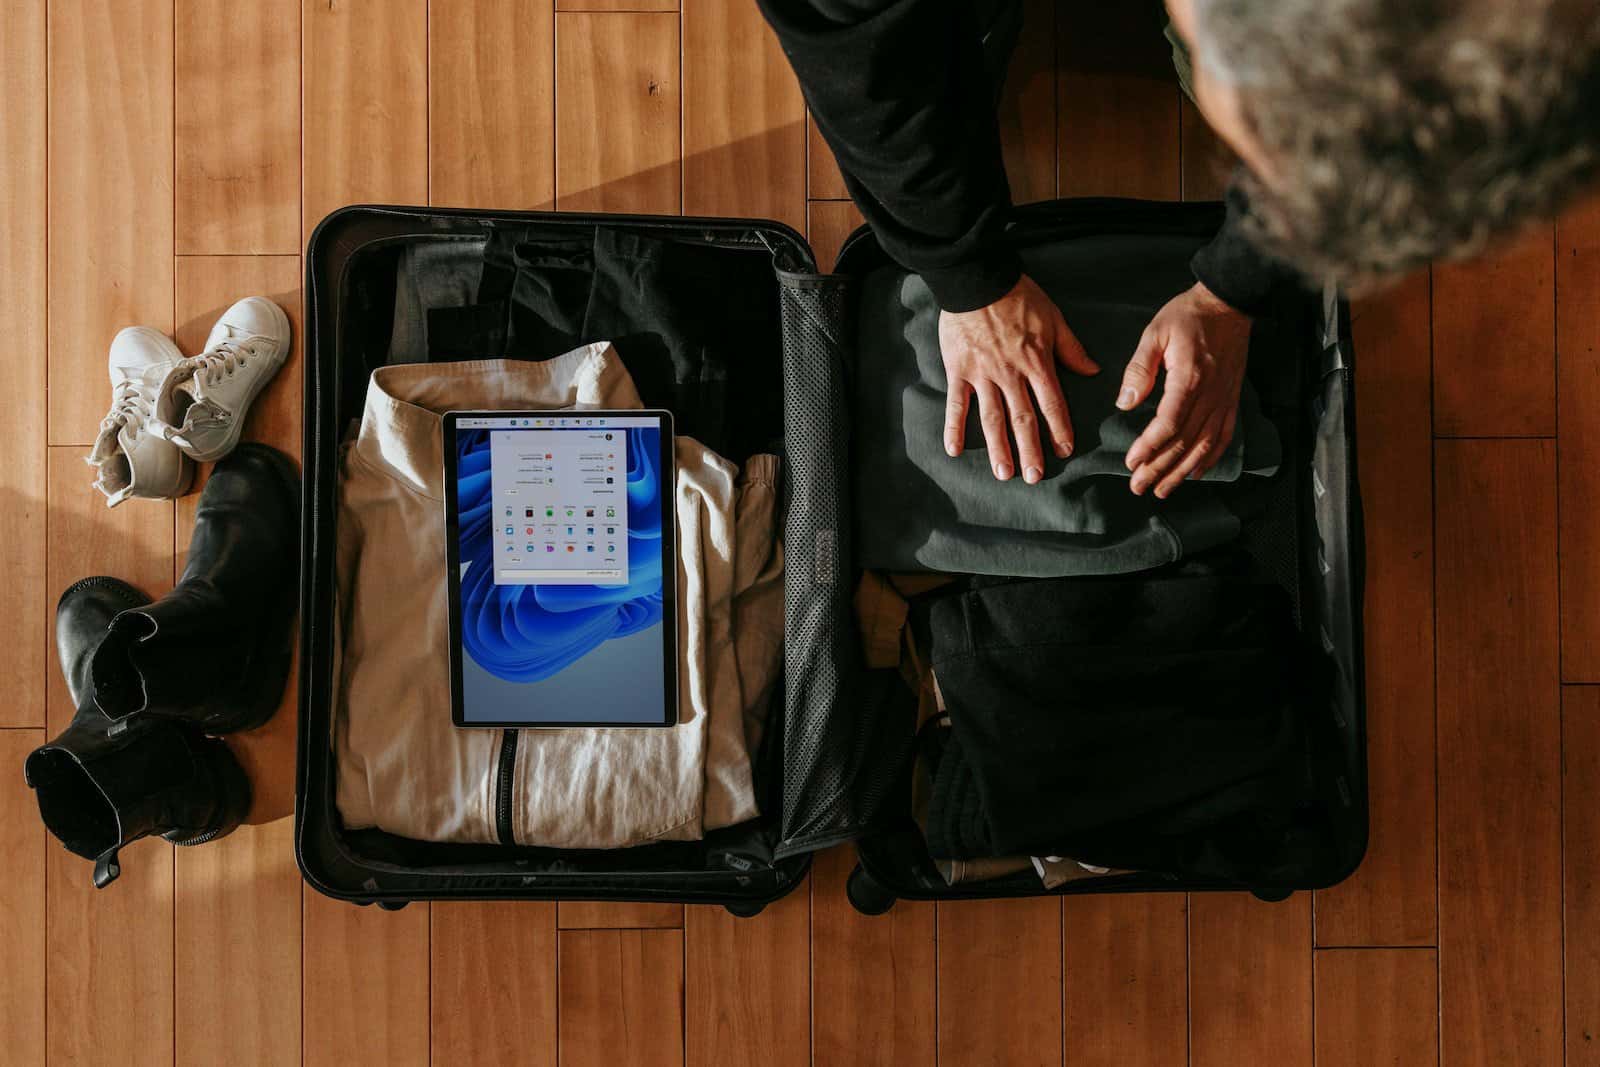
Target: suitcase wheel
745	911
866	895
1272	896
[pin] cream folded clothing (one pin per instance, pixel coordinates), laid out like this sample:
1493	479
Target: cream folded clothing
405	768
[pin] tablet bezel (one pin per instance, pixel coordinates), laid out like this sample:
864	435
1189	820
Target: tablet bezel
669	569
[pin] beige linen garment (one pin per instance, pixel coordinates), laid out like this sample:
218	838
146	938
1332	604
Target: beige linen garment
404	767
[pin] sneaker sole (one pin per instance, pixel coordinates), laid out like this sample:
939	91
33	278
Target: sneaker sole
236	430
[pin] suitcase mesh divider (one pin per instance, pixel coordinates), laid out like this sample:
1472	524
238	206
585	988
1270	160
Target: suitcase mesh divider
839	751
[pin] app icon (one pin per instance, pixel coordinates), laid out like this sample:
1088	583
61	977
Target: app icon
527	513
508	513
510	530
569	548
549	513
610	530
530	548
611	548
589	548
588	513
610	480
569	513
611	513
569	531
508	548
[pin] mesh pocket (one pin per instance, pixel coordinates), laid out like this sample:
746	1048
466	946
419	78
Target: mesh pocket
839	751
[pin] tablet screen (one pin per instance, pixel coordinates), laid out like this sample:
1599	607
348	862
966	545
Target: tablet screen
561	603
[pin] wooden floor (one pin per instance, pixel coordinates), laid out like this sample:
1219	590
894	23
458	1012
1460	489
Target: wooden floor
159	158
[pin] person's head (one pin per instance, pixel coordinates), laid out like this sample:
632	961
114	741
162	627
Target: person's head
1381	134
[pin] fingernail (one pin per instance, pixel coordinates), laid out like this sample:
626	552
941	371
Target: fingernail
1161	494
1063	449
1032	474
1002	471
1125	399
1138	486
951	449
1128	462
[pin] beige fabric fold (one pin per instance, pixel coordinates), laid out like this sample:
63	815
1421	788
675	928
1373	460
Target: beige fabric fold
405	768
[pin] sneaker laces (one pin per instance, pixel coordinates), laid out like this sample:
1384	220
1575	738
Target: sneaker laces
129	406
221	361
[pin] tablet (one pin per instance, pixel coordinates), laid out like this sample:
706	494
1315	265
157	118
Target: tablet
562	568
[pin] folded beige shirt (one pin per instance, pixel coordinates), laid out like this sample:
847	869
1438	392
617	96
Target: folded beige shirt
402	764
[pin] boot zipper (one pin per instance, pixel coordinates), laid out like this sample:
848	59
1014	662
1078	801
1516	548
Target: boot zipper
502	804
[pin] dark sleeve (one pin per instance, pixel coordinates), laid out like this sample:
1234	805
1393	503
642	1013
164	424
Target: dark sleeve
1244	277
898	90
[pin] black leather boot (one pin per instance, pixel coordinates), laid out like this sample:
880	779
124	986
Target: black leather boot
215	651
101	785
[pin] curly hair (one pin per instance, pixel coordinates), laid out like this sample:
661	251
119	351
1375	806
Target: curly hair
1402	131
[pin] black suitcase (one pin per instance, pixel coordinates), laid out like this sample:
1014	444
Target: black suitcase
832	765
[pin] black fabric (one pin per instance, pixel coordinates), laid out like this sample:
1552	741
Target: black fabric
1154	723
900	91
694	324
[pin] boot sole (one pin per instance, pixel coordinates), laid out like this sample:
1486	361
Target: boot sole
236	430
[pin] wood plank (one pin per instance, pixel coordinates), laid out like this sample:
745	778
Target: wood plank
1580	780
873	995
1578	364
1118	111
107	949
237	948
1027	112
110	200
747	990
823	180
1208	162
1000	986
237	951
494	983
22	906
365	100
744	139
621	998
491	103
1494	341
1127	980
24	604
1377	1006
207	286
616	5
828	223
618	134
237	126
1392	897
1499	752
617	915
365	994
1250	997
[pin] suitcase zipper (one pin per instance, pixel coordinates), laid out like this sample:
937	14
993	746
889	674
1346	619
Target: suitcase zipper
502	803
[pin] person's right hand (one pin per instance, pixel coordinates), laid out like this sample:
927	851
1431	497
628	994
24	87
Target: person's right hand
1005	354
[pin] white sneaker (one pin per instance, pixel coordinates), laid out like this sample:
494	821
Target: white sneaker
129	457
201	407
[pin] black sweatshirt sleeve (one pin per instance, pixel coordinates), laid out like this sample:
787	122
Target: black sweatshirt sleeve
898	89
1240	274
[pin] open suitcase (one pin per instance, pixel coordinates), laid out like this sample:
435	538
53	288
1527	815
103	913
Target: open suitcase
833	763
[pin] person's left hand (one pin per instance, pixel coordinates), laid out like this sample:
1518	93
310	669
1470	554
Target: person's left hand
1202	342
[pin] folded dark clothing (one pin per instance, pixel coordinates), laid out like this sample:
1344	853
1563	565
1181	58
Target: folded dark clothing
1151	723
919	509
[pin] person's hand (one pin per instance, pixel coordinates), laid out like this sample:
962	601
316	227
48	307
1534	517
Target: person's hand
1005	354
1202	343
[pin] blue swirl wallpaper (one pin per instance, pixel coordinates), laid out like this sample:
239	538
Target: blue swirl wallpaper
526	633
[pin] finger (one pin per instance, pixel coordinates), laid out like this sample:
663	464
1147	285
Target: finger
1140	377
1204	447
955	416
1177	402
1025	428
1053	408
1177	448
1070	351
1224	439
992	417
